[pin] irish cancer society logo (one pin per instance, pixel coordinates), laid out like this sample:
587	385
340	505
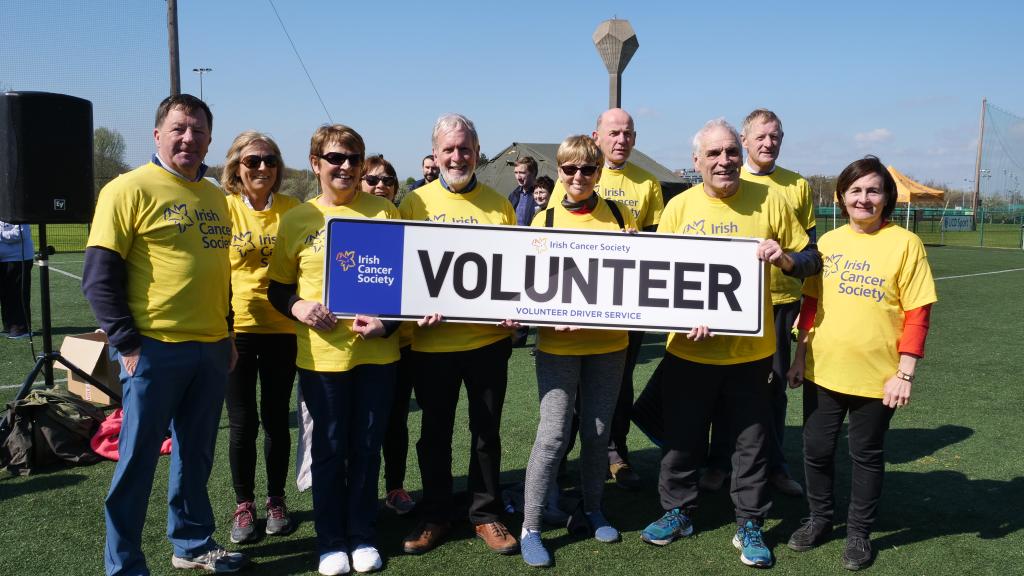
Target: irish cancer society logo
540	245
179	215
831	265
346	259
243	243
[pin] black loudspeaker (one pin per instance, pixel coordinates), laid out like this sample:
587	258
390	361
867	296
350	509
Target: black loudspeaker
46	174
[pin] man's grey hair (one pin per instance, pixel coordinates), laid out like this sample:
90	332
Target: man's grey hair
451	122
698	138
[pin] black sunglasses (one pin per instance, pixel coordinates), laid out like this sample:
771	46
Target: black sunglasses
338	158
373	180
253	161
570	170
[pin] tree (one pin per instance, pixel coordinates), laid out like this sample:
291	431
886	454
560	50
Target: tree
108	156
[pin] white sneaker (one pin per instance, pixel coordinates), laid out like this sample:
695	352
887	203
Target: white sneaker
365	558
334	563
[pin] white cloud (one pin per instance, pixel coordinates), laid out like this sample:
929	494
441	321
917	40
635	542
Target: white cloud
876	135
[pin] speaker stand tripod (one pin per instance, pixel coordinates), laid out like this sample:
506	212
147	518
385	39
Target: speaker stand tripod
44	362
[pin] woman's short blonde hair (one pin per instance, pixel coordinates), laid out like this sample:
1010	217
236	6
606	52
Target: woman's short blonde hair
579	149
230	179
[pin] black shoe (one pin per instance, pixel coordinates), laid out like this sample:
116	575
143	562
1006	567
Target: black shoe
857	554
812	533
625	476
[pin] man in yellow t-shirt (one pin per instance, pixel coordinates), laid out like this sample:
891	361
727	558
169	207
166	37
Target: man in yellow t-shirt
447	355
156	276
762	139
701	373
638	190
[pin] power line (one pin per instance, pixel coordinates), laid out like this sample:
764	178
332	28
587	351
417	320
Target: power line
301	63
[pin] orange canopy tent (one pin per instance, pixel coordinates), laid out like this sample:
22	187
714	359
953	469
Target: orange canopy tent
910	191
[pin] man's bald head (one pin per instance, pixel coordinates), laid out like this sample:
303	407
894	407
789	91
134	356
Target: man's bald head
615	136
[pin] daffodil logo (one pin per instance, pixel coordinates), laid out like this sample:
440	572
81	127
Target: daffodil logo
179	215
696	228
243	243
830	265
346	259
540	245
316	240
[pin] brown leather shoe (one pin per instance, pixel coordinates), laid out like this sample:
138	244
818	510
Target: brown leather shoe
425	538
497	538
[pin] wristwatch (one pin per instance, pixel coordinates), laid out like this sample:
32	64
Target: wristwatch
904	376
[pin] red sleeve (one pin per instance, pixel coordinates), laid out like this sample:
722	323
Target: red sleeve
807	312
915	330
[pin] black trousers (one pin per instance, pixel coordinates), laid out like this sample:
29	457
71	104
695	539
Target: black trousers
439	377
396	438
272	358
824	412
691	392
618	449
720	450
15	293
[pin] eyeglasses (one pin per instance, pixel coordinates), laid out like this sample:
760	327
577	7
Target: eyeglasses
570	170
373	180
338	158
253	161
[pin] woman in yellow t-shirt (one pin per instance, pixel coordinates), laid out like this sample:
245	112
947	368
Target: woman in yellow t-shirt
346	367
265	339
875	289
573	361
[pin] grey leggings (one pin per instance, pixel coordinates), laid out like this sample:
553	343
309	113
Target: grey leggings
597	378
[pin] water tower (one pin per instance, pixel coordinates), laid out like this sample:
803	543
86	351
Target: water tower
616	43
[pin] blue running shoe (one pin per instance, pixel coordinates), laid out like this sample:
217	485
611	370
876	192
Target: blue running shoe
674	524
750	542
603	531
533	550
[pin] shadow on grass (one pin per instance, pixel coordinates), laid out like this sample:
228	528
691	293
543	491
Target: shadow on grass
14	486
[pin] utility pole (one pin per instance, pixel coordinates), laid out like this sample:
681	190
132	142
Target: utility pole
977	162
172	45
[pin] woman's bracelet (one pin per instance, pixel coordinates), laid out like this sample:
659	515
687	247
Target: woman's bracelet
904	376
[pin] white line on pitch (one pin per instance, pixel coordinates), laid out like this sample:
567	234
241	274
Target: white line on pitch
59	271
36	383
980	274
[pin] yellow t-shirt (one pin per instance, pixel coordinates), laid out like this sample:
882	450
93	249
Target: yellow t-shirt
173	236
433	203
867	283
797	191
299	259
582	342
632	186
751	212
252	243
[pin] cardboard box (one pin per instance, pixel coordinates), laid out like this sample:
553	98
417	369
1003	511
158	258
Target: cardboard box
89	353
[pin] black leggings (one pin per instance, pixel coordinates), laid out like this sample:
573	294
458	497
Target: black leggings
272	357
824	412
396	438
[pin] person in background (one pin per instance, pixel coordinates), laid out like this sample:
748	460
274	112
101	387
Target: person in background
430	172
16	253
265	339
862	330
381	180
157	276
542	192
346	367
575	362
522	197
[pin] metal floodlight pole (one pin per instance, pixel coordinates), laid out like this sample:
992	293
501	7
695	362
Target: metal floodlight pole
616	42
201	71
172	45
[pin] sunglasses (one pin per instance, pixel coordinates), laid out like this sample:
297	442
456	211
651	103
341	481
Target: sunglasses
373	180
253	161
570	170
338	158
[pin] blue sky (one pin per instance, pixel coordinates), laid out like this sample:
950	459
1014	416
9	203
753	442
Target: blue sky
902	80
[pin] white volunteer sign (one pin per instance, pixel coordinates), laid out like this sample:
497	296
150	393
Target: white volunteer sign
544	276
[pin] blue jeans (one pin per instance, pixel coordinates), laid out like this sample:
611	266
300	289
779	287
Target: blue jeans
350	415
177	387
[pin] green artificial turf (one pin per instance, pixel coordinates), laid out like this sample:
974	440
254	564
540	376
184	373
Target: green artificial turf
953	500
